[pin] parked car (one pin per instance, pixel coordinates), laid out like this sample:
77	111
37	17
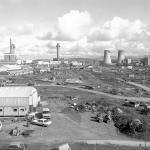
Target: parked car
131	104
87	87
42	122
30	83
46	113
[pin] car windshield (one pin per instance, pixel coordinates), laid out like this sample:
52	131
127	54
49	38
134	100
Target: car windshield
46	112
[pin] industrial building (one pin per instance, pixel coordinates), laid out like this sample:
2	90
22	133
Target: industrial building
127	61
16	69
18	101
121	57
107	57
146	61
10	58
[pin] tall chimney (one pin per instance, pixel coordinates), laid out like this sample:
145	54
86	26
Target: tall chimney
10	46
58	46
107	57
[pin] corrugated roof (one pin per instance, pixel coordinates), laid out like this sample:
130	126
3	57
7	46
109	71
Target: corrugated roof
16	91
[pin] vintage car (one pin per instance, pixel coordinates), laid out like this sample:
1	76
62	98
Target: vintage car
42	122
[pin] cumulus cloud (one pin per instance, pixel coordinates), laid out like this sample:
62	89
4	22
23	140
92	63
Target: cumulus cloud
114	34
72	24
46	36
26	28
119	33
23	37
77	36
117	28
69	27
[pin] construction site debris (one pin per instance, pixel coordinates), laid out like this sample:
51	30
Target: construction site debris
15	132
27	133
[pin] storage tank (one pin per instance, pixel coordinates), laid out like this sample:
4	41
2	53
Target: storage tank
107	57
121	56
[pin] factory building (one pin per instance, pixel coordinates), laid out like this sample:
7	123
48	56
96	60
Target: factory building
10	58
107	57
127	61
18	101
121	57
16	69
146	61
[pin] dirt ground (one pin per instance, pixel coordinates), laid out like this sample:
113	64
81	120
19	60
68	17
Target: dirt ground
66	126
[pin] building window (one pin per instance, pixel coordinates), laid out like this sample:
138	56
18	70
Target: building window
22	109
1	110
15	109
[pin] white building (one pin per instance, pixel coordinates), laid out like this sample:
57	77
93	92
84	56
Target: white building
76	63
55	62
9	67
18	101
43	63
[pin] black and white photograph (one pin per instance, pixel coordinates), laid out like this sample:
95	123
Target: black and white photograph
74	74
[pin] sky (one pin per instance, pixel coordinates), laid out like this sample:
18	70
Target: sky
84	28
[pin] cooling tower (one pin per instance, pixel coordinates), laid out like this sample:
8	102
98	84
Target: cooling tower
107	57
121	56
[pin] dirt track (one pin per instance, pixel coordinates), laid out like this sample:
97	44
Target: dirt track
102	93
139	85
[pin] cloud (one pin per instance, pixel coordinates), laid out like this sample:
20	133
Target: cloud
46	36
15	1
78	40
119	33
78	36
26	28
73	24
69	27
116	28
23	37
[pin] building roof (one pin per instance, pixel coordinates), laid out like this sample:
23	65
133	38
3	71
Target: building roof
16	91
9	67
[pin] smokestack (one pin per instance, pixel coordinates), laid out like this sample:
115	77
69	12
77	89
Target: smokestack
121	56
12	47
58	46
107	57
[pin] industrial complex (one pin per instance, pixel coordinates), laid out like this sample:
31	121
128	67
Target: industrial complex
74	98
74	75
10	58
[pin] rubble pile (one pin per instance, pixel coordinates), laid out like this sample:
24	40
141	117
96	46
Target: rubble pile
83	107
